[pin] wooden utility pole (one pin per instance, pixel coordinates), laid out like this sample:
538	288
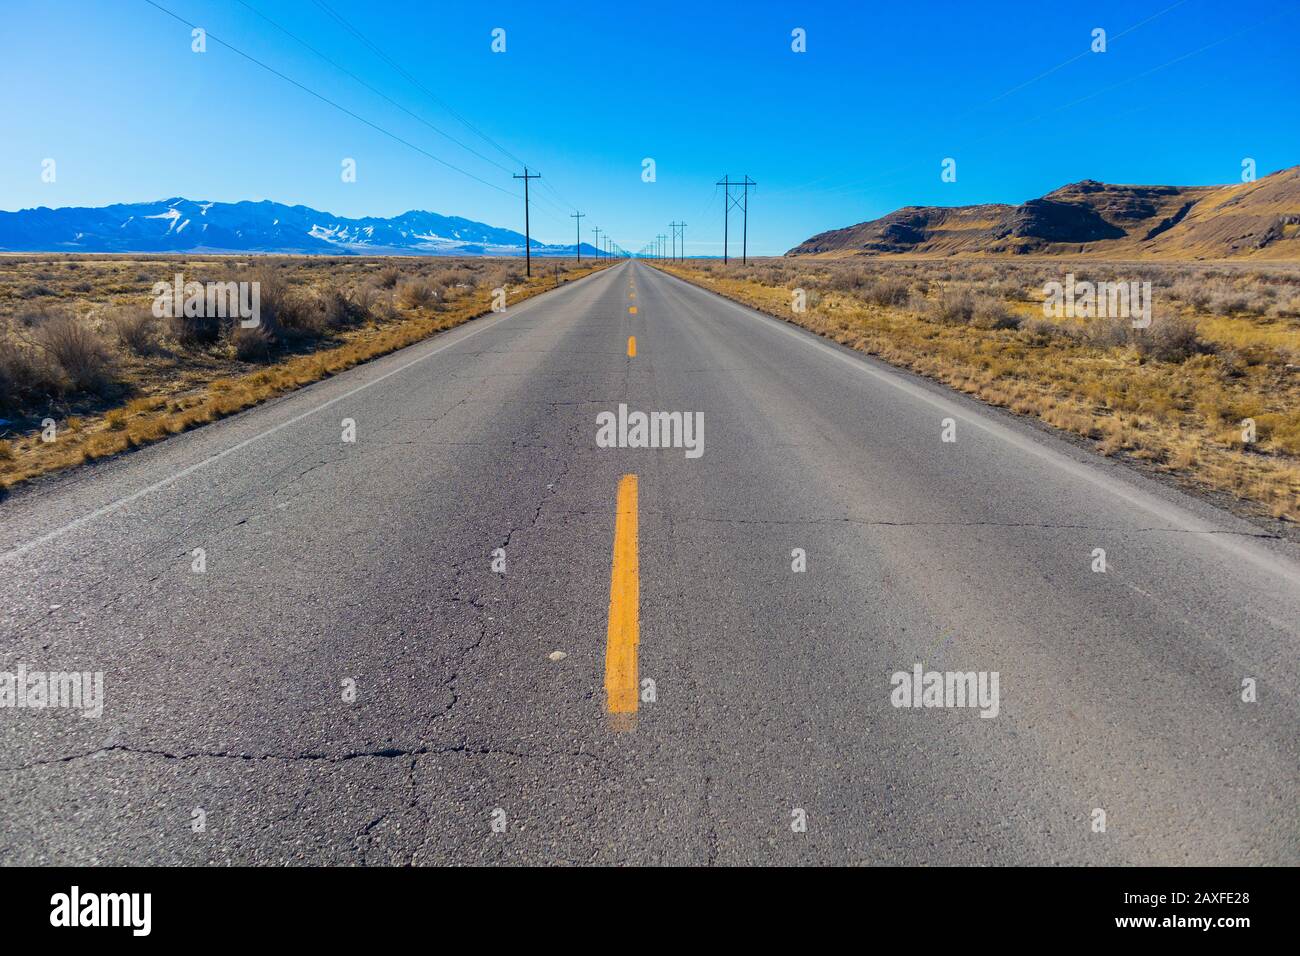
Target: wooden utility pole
528	240
577	218
728	201
678	228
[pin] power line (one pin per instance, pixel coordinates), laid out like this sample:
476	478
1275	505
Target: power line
565	204
327	100
852	185
433	96
372	89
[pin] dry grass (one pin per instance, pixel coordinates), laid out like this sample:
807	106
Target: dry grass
1224	345
79	343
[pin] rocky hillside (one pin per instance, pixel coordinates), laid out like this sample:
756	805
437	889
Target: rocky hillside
1259	220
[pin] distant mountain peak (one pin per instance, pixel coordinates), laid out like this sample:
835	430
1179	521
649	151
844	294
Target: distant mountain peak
256	226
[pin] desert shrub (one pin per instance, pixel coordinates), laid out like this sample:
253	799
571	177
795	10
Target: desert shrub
1109	333
252	344
386	310
79	351
991	313
954	307
340	310
1191	291
388	277
1169	339
136	329
363	299
459	277
844	280
26	374
888	292
30	318
1040	332
1226	303
416	294
1287	307
194	333
278	307
1005	289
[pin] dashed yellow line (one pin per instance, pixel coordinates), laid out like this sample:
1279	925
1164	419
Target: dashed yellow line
631	346
623	634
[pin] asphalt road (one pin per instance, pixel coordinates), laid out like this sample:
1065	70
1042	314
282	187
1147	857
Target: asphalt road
367	566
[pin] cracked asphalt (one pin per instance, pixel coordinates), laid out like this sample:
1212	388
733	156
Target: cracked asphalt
332	566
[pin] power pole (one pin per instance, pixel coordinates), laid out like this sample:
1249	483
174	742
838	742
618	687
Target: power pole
528	241
744	233
728	202
596	229
577	217
679	229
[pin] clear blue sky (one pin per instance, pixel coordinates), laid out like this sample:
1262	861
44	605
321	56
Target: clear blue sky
852	129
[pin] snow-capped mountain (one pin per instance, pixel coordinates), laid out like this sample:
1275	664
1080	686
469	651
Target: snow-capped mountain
183	225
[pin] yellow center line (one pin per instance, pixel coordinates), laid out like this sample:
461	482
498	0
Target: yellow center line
631	346
623	634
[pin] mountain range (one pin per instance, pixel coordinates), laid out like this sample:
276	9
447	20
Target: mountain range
1255	220
184	225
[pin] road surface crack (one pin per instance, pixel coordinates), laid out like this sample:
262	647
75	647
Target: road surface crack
385	753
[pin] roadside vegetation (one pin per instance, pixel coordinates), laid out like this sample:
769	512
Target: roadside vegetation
1223	346
80	343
